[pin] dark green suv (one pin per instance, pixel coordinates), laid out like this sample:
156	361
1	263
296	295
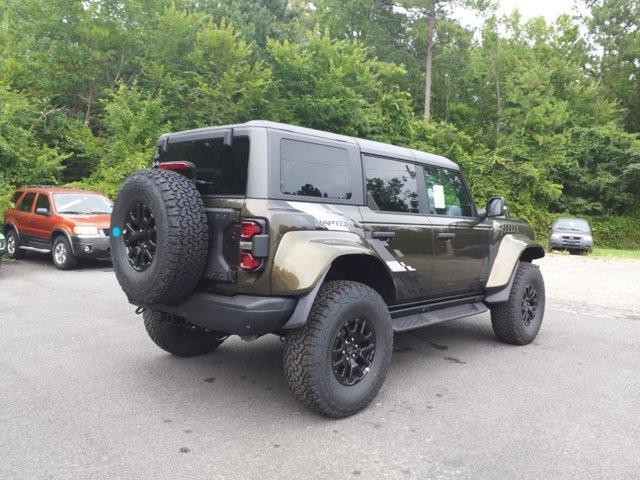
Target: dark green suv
331	242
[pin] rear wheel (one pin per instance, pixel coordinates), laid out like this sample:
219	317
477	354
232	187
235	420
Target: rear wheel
13	245
337	362
62	254
518	320
174	335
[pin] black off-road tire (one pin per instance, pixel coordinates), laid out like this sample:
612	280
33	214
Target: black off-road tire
307	352
68	261
18	253
173	336
507	318
182	237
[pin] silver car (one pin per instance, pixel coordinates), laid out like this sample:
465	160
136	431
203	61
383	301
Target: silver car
572	234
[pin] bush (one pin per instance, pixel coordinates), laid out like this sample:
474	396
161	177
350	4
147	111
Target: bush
615	231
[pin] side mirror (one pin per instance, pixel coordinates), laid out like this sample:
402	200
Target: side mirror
42	211
496	207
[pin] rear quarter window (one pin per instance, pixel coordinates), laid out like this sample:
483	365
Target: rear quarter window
313	170
15	197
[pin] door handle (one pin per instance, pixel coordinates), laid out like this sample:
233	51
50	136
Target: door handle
446	235
383	235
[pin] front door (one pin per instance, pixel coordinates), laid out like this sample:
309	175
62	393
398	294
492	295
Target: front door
42	225
396	225
462	239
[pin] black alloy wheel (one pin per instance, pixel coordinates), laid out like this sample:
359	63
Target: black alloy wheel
529	304
139	237
354	348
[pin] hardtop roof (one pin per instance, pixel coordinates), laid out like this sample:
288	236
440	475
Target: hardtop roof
366	146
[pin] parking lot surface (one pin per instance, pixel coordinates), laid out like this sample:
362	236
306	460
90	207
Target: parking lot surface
84	394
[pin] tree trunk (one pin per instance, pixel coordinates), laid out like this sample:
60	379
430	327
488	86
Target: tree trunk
431	24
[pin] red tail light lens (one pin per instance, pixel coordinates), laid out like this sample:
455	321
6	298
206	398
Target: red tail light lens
248	262
175	166
249	230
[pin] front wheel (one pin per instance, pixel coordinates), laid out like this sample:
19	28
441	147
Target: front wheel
174	335
337	362
518	320
62	254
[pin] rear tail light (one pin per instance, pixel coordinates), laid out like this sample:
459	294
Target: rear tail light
251	255
174	166
249	229
249	262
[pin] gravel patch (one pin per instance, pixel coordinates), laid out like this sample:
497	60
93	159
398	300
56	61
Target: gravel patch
600	286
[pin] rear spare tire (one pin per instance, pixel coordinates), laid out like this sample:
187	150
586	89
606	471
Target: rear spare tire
159	237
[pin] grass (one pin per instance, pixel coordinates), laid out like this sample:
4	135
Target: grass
615	253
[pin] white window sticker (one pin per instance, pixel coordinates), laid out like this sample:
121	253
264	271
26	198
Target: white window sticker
438	197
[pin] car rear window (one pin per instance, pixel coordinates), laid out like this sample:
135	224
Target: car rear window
220	169
314	170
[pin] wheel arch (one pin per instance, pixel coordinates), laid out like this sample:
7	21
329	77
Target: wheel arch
532	252
10	226
365	269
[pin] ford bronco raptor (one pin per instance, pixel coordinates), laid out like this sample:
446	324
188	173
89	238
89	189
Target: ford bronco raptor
331	242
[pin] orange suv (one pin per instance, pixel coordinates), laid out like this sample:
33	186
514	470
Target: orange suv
65	222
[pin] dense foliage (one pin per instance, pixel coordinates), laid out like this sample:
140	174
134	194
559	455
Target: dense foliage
546	114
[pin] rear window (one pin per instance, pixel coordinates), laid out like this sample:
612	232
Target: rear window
220	169
314	170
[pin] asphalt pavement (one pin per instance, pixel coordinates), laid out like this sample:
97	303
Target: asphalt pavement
84	394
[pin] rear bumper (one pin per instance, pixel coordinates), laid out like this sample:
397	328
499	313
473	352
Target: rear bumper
95	248
236	315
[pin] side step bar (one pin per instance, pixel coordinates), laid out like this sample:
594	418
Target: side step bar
432	314
34	249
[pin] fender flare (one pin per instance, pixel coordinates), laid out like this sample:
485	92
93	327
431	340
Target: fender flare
304	257
512	249
58	230
11	225
303	260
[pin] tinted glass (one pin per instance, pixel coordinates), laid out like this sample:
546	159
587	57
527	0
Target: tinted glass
574	224
27	201
391	184
42	202
314	170
16	196
81	204
447	193
220	169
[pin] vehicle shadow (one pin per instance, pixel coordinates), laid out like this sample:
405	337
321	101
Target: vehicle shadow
240	375
44	259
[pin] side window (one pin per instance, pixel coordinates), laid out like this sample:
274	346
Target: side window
43	202
391	184
314	170
447	193
15	197
27	201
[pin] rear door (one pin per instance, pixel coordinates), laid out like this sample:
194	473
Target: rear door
221	178
396	223
23	217
461	239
